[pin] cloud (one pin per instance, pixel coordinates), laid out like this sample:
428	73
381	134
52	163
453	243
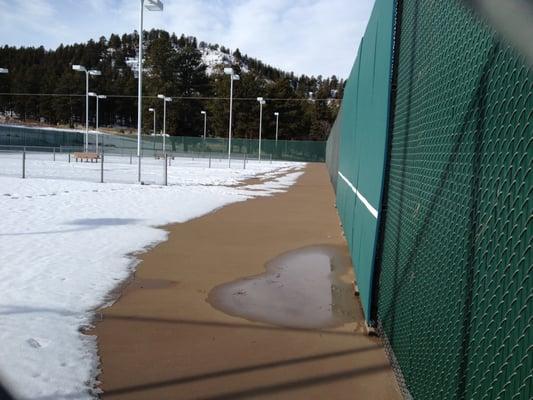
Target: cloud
313	37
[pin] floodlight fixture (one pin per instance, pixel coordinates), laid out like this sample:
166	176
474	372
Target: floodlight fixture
151	109
154	5
4	71
92	94
160	96
95	72
102	96
80	68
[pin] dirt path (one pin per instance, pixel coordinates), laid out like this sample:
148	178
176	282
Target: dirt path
163	340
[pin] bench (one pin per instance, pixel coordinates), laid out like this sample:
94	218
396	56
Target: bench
86	156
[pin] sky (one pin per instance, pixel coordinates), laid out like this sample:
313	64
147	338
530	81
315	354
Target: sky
312	37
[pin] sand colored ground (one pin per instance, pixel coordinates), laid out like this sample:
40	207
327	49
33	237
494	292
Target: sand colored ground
162	340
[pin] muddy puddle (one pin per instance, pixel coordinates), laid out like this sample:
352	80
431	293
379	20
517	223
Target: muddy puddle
306	288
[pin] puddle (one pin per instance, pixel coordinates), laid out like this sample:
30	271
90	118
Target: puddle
305	288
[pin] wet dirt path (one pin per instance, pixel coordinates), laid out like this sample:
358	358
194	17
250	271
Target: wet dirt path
164	340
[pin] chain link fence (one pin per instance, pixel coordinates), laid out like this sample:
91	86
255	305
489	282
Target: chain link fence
281	150
452	289
455	290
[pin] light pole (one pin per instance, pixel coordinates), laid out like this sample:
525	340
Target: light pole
165	101
204	113
153	111
92	72
152	5
261	103
233	77
4	71
98	97
277	125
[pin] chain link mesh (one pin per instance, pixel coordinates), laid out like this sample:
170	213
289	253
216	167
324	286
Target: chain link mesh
454	294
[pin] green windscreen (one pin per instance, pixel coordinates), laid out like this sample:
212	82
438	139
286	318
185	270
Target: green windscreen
288	150
356	148
455	288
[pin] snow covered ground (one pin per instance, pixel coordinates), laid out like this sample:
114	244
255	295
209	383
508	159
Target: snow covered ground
67	240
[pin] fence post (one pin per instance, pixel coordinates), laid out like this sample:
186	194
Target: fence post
131	156
24	163
209	159
102	169
244	163
69	157
271	159
54	151
166	170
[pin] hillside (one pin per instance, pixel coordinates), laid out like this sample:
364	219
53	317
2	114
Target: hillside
42	86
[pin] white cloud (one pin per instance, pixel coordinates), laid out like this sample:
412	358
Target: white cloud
306	36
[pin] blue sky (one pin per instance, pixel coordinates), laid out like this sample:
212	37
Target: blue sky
305	36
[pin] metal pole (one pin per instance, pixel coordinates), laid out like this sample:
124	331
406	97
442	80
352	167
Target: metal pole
230	117
244	164
271	159
205	126
69	158
54	151
164	124
154	126
131	156
97	102
139	101
260	127
24	163
86	111
102	169
166	170
139	172
277	127
209	159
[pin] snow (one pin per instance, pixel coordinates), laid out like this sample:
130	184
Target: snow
68	240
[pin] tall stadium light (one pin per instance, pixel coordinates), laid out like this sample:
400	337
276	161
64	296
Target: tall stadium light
233	77
262	102
277	125
92	72
152	110
151	5
204	113
4	71
165	101
98	97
